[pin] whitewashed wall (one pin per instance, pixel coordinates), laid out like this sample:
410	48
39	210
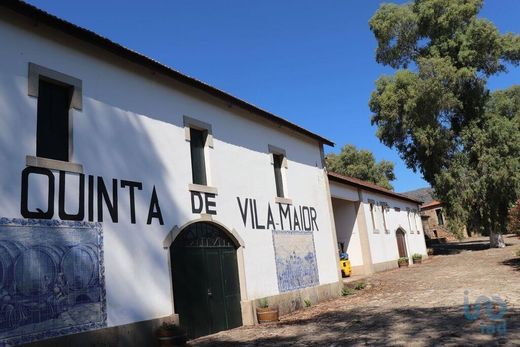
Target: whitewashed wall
383	243
347	230
131	127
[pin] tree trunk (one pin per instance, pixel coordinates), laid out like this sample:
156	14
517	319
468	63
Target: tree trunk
496	240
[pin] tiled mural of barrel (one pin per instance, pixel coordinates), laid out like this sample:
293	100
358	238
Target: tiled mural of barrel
51	278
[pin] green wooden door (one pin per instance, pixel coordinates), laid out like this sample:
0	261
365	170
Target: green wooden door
205	280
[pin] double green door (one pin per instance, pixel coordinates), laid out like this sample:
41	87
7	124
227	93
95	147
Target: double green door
205	280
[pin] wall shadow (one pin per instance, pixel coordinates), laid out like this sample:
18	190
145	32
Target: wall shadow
376	326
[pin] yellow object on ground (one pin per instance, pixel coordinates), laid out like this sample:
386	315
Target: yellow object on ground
346	270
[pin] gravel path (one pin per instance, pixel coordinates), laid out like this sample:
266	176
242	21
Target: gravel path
418	306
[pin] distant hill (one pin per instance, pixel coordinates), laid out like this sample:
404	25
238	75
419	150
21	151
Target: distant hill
423	194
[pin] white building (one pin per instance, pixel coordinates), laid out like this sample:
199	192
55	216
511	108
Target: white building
374	225
130	194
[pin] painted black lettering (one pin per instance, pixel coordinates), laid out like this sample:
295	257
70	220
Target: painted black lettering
270	220
306	219
24	202
81	196
155	210
313	219
258	225
194	208
243	211
90	198
210	203
131	189
102	195
284	214
296	222
253	226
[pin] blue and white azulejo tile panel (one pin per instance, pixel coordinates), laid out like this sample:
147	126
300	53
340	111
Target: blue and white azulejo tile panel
51	279
295	258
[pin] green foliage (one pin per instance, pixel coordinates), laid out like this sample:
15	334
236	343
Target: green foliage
263	303
514	219
307	302
346	291
361	164
416	256
437	111
360	286
403	260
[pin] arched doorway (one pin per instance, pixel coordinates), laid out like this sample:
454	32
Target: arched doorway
206	286
401	243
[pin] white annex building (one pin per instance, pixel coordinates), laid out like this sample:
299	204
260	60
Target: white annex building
374	225
131	194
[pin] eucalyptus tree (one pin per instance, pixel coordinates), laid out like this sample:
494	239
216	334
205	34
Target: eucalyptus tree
438	112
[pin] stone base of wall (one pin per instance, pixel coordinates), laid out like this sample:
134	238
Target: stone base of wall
359	270
295	300
385	266
129	335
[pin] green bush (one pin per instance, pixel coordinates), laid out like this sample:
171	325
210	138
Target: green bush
346	291
360	286
263	303
416	256
307	302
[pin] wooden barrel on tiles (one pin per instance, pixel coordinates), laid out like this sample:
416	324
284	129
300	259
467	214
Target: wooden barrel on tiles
80	266
36	269
9	250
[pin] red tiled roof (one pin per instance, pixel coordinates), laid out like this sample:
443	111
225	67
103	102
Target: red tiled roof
356	182
37	15
433	203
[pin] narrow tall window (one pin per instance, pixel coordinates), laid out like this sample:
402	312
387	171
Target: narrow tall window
372	216
383	213
198	162
52	134
277	163
440	217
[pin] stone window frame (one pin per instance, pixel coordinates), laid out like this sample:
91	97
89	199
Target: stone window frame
35	73
285	166
385	208
409	213
373	208
193	123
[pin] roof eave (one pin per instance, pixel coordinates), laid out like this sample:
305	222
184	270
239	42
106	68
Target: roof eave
89	36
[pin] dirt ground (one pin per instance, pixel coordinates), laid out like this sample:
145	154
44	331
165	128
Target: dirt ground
422	305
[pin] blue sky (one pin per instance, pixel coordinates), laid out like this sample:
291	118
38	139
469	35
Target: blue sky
311	62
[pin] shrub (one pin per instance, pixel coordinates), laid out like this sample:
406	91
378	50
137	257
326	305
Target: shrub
417	256
360	286
307	302
403	260
346	291
263	303
513	225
